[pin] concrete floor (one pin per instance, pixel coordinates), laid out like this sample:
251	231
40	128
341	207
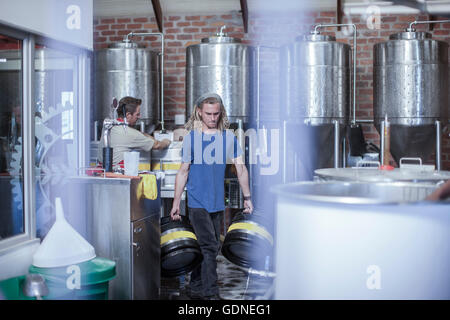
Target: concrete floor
234	282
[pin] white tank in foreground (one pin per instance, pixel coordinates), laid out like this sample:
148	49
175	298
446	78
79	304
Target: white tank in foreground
354	240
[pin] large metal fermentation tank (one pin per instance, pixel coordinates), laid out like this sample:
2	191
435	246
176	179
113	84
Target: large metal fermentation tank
317	70
127	69
315	99
223	65
411	88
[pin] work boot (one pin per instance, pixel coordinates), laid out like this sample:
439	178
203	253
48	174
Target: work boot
193	295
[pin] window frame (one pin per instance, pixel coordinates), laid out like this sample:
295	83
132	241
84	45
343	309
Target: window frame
82	89
81	126
27	194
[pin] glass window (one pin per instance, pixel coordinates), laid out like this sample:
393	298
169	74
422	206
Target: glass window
11	110
56	146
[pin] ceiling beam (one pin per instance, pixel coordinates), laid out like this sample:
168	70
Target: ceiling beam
158	14
426	7
244	10
412	4
431	25
339	13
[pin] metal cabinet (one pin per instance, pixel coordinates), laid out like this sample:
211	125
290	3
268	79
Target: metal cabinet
121	227
146	273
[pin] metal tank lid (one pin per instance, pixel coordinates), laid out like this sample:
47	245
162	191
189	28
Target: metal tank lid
353	192
221	39
315	37
410	35
373	174
125	45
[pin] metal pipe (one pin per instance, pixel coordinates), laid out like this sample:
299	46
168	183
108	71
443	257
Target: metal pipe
126	39
295	174
108	124
344	150
382	142
284	176
241	139
250	165
354	57
221	33
95	130
387	141
336	143
438	145
106	137
257	87
411	29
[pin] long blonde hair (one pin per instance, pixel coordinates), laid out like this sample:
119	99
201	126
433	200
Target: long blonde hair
195	121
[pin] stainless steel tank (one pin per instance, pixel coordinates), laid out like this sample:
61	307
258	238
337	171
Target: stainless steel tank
316	80
411	87
315	101
126	69
222	65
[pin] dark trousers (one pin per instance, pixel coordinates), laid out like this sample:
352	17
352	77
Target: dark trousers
207	229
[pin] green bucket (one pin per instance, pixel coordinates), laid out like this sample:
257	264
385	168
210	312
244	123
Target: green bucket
93	275
11	289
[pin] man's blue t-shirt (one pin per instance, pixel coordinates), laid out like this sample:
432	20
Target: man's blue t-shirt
208	155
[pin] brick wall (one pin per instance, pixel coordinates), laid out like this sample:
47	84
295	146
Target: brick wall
270	31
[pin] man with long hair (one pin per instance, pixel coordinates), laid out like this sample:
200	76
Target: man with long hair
207	149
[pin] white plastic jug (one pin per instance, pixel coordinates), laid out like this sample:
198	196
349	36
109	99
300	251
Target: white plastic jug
131	163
